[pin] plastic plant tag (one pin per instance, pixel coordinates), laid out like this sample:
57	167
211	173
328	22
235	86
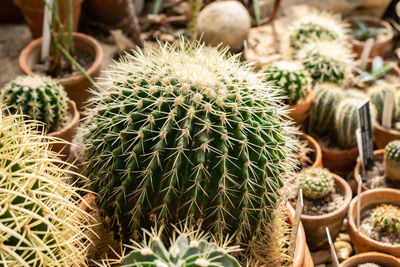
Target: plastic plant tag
365	53
359	201
387	108
335	261
45	52
359	145
296	222
366	136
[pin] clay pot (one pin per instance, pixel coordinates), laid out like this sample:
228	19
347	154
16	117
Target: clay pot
377	154
371	257
379	48
315	225
76	86
383	136
9	12
339	160
316	148
33	13
300	112
67	133
109	12
370	199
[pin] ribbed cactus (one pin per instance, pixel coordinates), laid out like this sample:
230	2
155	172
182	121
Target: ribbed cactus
317	25
40	222
39	98
392	160
327	97
292	78
187	133
189	249
346	122
386	218
327	60
316	183
377	95
355	94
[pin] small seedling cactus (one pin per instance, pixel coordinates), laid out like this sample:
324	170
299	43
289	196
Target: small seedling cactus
292	78
189	249
316	183
377	95
39	98
386	218
392	160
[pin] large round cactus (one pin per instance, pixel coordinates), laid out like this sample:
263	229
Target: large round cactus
40	222
392	160
186	133
39	98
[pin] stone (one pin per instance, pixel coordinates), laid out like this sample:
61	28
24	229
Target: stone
226	23
343	250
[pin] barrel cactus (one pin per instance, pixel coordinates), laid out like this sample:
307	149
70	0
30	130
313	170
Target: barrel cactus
346	122
316	183
327	60
354	93
187	133
41	224
37	97
392	160
386	218
292	78
377	95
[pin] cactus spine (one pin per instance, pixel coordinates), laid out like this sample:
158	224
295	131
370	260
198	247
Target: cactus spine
386	218
392	160
346	123
316	183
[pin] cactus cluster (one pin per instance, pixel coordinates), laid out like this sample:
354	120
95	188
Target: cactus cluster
316	183
386	218
190	248
392	160
377	95
39	218
187	133
291	78
37	97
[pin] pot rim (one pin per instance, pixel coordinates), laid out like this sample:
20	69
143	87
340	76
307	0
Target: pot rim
306	101
367	255
383	23
377	154
378	127
338	152
316	147
74	120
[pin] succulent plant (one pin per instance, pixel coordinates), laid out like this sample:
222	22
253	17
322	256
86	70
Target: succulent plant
189	249
317	25
327	60
368	264
392	160
41	224
386	218
377	95
187	133
292	78
39	98
316	183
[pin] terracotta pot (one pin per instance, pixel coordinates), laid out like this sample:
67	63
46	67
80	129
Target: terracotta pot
300	112
33	13
379	48
377	154
316	148
9	12
315	225
370	199
339	160
371	257
383	136
110	12
76	86
67	133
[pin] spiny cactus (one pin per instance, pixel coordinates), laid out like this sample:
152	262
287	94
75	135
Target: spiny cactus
187	133
392	160
190	249
377	95
346	122
317	25
39	98
327	60
354	93
386	218
292	78
316	183
327	97
39	218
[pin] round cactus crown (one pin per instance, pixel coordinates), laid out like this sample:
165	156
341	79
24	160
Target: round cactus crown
292	78
39	98
386	218
316	183
392	150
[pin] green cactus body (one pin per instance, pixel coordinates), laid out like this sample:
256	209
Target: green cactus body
386	218
40	222
316	183
327	97
377	95
355	94
392	160
346	123
292	78
187	133
39	98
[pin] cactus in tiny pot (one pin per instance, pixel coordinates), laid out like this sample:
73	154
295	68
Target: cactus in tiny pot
392	160
39	98
316	183
189	133
386	218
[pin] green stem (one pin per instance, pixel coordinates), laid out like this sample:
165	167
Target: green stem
196	5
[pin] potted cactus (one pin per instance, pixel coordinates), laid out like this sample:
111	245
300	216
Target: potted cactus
326	200
371	259
42	99
309	152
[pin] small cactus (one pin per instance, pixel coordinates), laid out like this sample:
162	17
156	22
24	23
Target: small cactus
386	218
316	183
377	95
327	60
292	78
392	160
39	98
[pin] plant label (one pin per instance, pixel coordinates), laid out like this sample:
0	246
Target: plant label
335	261
359	145
296	222
388	108
365	53
366	136
47	16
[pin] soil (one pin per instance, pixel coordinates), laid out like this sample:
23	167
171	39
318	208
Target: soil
331	202
375	178
367	229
